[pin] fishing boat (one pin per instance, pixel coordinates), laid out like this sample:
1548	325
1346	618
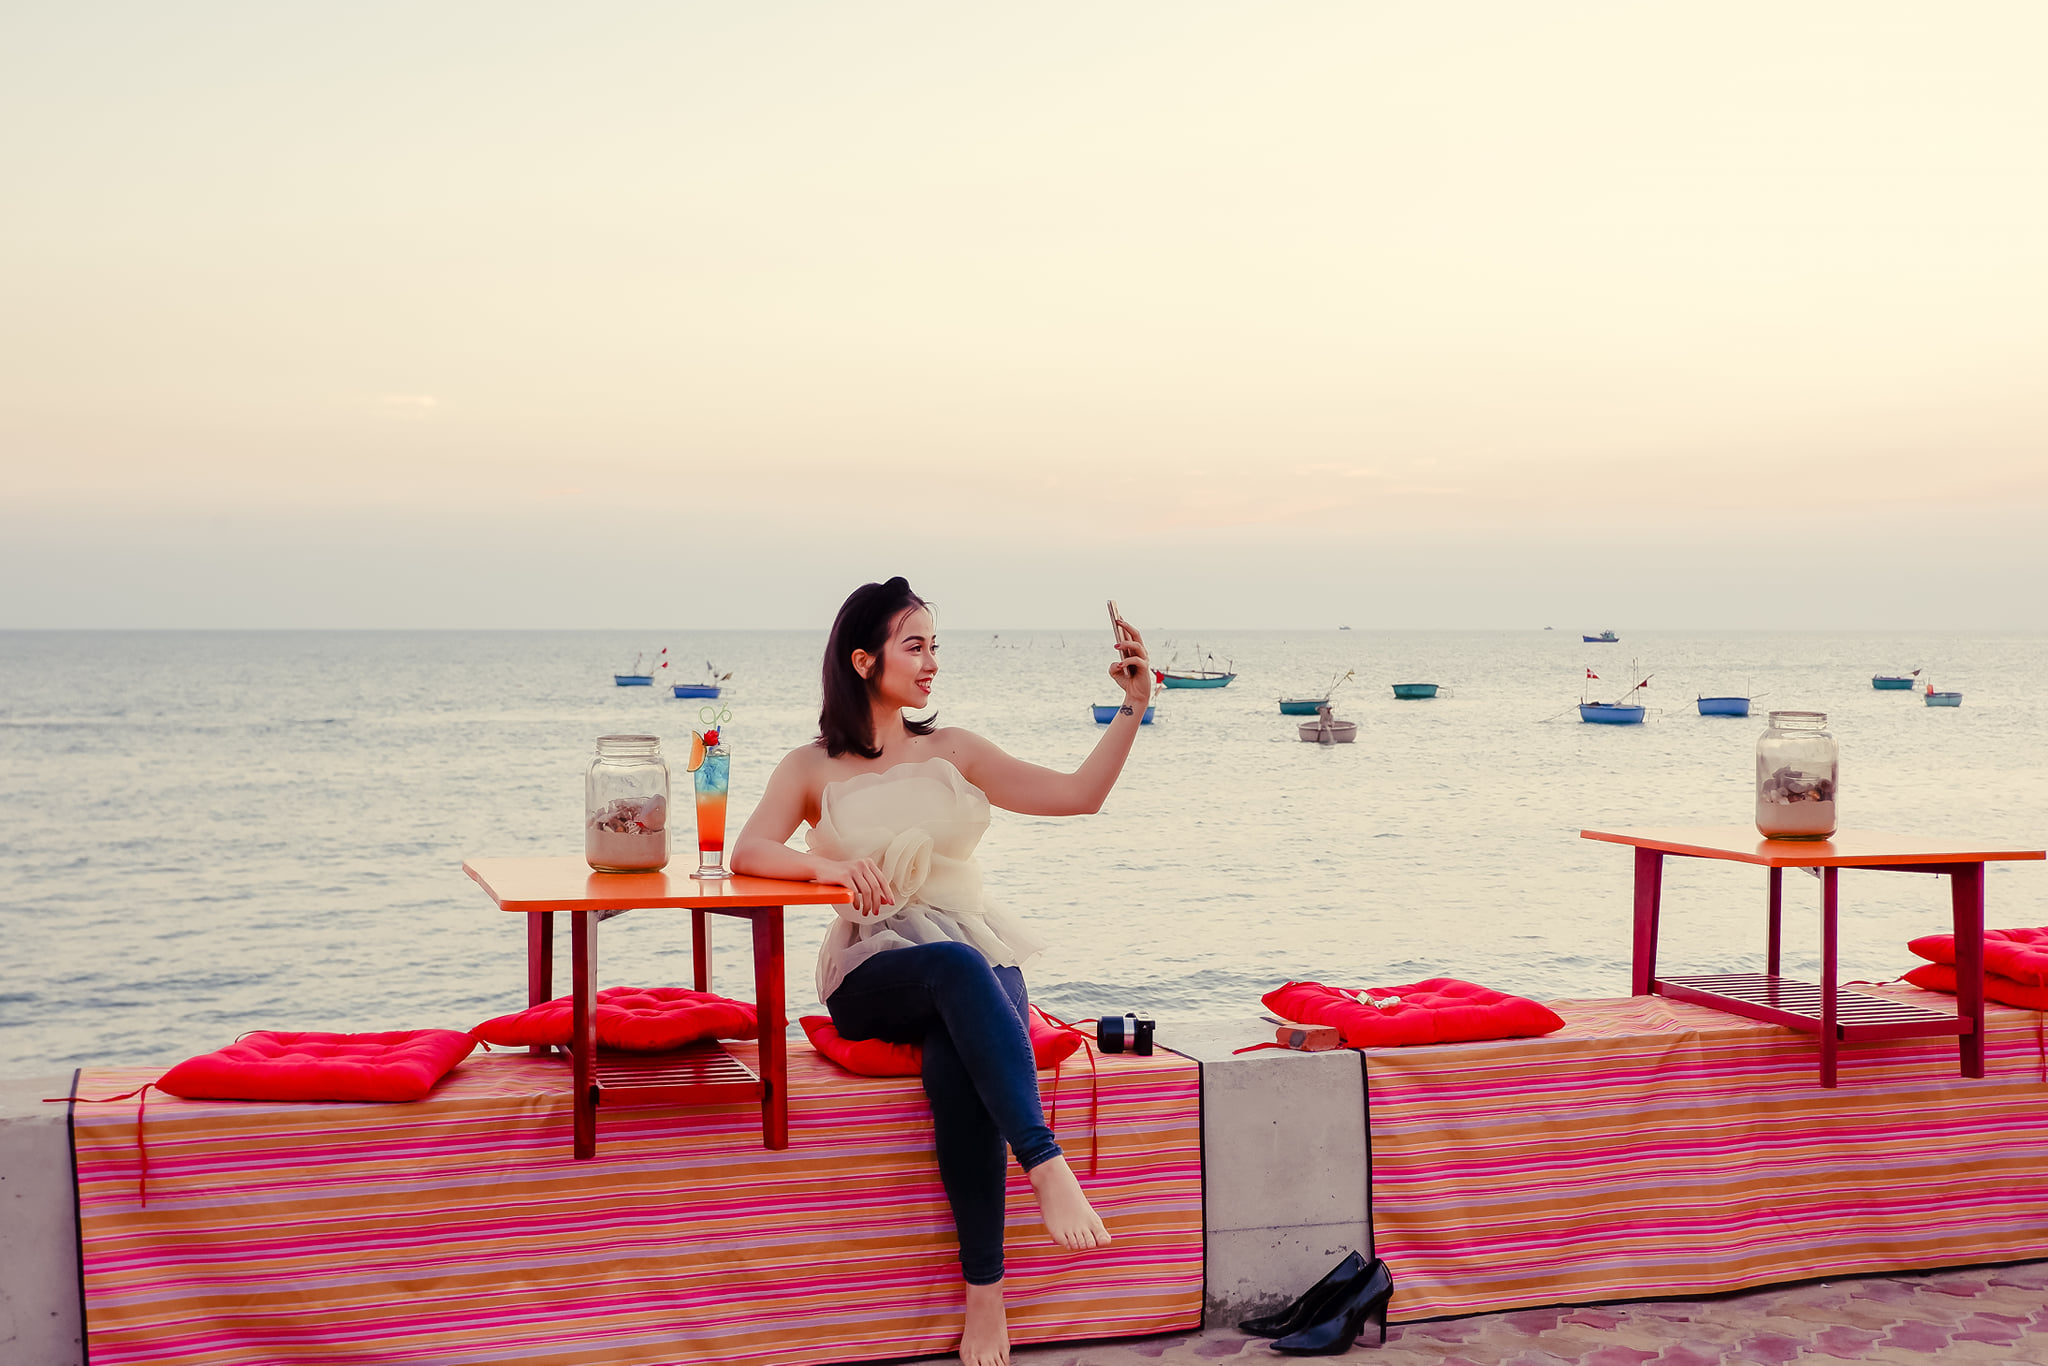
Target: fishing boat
1943	699
1310	706
1194	678
1604	638
1623	713
1409	690
714	682
1894	682
1724	706
1106	714
633	678
1327	729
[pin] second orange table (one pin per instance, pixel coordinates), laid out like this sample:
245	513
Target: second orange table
1821	1009
701	1074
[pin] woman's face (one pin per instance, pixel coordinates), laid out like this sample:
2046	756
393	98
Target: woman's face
910	660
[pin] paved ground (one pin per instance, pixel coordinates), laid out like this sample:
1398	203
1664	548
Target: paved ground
1996	1315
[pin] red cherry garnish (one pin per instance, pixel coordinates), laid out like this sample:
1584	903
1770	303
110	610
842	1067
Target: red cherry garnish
710	737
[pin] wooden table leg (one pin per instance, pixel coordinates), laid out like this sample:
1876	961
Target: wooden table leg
1649	892
774	1028
1966	905
583	1028
1777	921
540	966
700	947
1829	878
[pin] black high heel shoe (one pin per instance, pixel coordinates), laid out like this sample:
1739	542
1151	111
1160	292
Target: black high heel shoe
1344	1316
1309	1307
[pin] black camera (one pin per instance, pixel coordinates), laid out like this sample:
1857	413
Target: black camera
1124	1034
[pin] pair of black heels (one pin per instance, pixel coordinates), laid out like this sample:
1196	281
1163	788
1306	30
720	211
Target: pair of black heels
1328	1318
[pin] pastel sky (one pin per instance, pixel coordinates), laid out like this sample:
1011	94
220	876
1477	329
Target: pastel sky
1486	314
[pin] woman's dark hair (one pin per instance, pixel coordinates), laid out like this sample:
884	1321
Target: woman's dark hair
846	723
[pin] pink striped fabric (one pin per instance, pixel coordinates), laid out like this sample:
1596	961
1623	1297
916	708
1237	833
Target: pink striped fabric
459	1230
1657	1148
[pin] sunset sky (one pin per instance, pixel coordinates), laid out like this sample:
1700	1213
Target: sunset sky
499	315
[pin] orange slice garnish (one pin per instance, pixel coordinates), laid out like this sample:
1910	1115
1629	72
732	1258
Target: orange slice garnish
696	751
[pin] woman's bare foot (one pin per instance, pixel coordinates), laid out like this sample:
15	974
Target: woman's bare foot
985	1340
1069	1218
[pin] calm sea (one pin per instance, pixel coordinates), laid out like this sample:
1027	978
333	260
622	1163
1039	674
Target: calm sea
204	833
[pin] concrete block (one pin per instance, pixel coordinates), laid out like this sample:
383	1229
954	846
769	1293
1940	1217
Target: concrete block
39	1309
1286	1166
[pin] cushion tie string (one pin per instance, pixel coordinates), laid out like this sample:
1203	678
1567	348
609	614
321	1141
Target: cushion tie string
1094	1088
141	1096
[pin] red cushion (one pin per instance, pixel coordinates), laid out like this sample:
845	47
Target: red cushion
639	1019
2021	955
1942	977
1440	1010
400	1064
1050	1046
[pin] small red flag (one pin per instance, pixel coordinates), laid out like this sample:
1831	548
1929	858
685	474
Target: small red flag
1591	674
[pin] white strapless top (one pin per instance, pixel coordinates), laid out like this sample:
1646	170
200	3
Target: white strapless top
920	822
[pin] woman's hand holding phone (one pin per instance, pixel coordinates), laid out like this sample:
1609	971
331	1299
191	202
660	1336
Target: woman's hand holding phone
1132	670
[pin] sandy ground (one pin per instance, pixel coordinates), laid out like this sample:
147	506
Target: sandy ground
1996	1314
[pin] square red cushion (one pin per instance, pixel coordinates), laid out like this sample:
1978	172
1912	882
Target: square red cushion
1942	977
2021	955
1050	1046
1440	1010
638	1019
397	1065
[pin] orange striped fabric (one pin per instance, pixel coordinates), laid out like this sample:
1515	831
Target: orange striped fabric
458	1229
1655	1148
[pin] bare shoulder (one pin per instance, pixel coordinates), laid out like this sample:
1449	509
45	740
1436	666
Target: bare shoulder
806	764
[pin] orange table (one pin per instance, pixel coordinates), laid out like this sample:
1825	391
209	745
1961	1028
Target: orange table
700	1074
1836	1016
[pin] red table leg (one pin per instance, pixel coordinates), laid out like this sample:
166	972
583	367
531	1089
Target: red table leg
1649	891
768	1008
1777	921
583	1028
1966	904
1829	878
540	966
700	947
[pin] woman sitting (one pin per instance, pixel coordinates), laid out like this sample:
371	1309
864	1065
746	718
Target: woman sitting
896	807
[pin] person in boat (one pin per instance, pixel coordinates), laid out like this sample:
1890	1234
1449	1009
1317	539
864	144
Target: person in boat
895	807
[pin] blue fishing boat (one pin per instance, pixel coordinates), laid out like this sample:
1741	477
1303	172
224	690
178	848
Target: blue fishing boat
1944	699
1604	638
1411	690
712	685
1623	713
633	678
1724	706
1194	678
1894	682
1310	706
1106	714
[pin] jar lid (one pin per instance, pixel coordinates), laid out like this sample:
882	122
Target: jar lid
628	740
1800	718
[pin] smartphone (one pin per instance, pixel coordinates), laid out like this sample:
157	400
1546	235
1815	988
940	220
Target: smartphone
1115	617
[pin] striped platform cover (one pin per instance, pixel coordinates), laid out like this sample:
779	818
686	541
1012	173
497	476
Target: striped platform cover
1656	1148
459	1229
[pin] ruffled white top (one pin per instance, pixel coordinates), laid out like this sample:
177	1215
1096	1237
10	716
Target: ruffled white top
920	822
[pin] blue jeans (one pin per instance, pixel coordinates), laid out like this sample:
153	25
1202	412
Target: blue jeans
978	1074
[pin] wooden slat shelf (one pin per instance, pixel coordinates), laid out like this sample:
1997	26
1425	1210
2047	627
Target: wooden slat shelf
1797	1005
701	1074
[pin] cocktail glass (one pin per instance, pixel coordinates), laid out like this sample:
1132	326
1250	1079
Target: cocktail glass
712	778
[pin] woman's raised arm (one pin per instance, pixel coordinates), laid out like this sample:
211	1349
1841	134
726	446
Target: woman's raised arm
1033	790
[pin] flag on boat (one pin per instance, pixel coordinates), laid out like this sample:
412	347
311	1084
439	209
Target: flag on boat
1591	674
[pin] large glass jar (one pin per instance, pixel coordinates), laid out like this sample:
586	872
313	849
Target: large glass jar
625	805
1796	762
